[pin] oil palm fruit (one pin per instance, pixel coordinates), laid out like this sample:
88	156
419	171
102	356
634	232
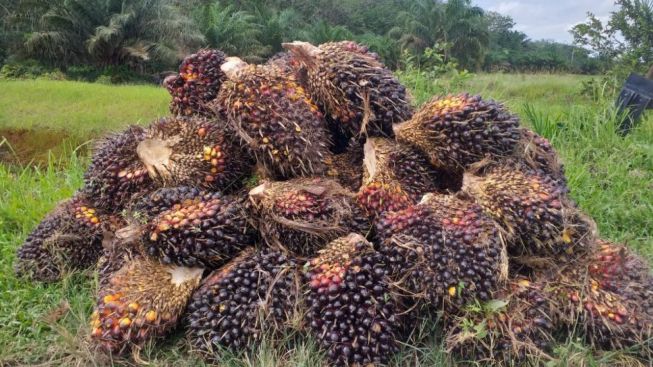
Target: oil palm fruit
351	309
197	83
533	209
68	238
444	251
190	227
275	119
303	215
606	295
116	174
354	89
456	131
253	295
193	151
514	328
143	300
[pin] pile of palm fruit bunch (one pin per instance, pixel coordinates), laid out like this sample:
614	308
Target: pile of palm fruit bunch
307	195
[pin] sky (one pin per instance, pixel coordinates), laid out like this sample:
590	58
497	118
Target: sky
548	19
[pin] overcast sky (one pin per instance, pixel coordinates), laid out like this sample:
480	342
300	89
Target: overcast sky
548	19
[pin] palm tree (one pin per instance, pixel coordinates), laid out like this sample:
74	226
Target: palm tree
113	32
322	32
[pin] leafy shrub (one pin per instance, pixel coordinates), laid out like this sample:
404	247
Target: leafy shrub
25	69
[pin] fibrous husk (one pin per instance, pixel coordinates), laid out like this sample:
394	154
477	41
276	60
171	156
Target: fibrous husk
68	238
456	131
514	328
354	89
193	151
351	309
347	166
197	83
143	300
444	252
534	210
275	119
303	215
190	227
254	295
116	174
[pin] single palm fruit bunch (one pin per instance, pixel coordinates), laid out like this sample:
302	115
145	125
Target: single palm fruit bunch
193	151
68	238
275	119
533	209
197	83
119	247
351	309
143	300
606	295
456	131
189	227
303	215
444	251
514	328
116	173
537	152
408	167
355	90
253	296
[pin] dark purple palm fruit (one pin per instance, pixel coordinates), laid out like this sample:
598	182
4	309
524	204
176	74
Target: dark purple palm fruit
443	251
193	151
359	94
456	131
351	309
254	296
68	238
303	215
275	119
197	83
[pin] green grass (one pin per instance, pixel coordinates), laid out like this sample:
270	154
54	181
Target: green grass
611	178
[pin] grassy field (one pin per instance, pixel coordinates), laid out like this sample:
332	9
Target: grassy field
610	177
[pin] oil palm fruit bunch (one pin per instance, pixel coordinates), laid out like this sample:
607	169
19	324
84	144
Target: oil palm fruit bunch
303	215
533	209
606	296
354	89
197	83
275	119
193	151
537	152
253	295
456	131
116	173
347	166
143	300
407	166
514	328
118	248
190	227
444	251
351	309
68	238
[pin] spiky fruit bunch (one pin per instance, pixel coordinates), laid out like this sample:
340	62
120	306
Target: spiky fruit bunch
351	310
275	118
303	215
118	248
533	209
68	238
607	295
197	83
348	46
514	328
443	250
382	195
190	227
143	300
253	295
116	173
538	153
193	151
353	87
388	160
457	130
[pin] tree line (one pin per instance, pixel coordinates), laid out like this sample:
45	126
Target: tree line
149	36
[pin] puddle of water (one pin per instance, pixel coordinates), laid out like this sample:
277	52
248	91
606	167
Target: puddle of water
28	146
